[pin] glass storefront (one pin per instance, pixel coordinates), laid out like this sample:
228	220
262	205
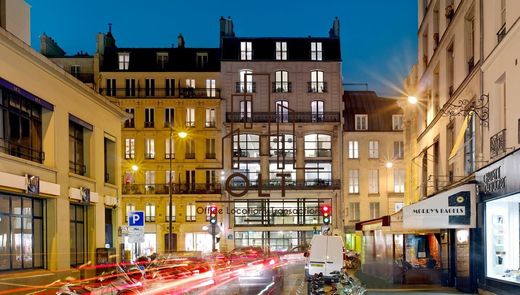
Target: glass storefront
277	212
146	248
198	242
503	239
274	240
21	233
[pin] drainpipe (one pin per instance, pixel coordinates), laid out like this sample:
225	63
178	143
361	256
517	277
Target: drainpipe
481	43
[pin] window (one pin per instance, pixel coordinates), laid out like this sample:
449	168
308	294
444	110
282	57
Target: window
373	181
124	60
281	51
399	180
246	82
169	87
282	145
249	169
129	208
162	59
130	148
245	111
317	85
318	173
361	122
354	211
397	122
246	51
450	68
78	239
22	232
168	148
109	227
149	181
211	90
167	215
503	13
202	59
190	149
398	206
210	118
353	181
111	87
169	176
130	87
282	111
150	148
191	213
130	123
75	70
169	116
373	149
149	213
211	178
281	81
353	149
149	87
287	168
470	145
190	117
246	145
470	39
318	145
110	161
76	149
20	125
316	51
149	117
398	150
317	110
190	83
210	148
374	210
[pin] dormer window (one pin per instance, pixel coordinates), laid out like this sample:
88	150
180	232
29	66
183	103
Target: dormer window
202	59
246	51
361	122
316	51
281	50
162	59
124	60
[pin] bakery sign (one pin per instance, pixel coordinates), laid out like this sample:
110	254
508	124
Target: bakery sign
455	208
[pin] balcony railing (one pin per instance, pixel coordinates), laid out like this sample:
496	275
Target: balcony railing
129	124
21	151
169	155
211	124
190	124
299	117
149	155
211	155
497	144
189	156
281	87
149	124
315	184
163	188
162	92
501	33
241	87
77	168
317	87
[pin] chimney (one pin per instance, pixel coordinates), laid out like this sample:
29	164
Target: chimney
180	40
334	30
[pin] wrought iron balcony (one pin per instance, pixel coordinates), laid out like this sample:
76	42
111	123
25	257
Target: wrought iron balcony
242	87
149	124
189	156
199	92
129	124
161	92
299	117
497	144
314	184
211	155
163	188
169	155
281	87
149	155
211	124
21	151
77	168
316	87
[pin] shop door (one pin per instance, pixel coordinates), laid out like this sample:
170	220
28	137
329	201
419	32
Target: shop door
167	243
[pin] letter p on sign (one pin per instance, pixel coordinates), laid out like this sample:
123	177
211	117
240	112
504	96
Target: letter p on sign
136	218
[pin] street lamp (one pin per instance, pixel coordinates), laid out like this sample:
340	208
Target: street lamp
389	164
135	168
412	99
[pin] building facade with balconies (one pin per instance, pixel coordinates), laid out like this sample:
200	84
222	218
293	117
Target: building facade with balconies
167	91
59	176
373	165
283	134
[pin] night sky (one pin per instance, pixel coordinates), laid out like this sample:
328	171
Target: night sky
378	37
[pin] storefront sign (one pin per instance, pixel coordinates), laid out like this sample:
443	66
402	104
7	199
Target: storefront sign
500	178
451	209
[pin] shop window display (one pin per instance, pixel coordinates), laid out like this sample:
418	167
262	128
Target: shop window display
502	239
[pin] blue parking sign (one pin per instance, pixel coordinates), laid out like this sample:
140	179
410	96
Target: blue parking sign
136	218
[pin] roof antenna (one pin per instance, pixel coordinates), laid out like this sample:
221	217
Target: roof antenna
110	27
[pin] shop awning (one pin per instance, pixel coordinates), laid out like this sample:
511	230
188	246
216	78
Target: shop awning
396	226
455	208
373	224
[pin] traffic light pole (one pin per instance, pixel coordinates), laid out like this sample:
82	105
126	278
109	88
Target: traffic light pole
213	249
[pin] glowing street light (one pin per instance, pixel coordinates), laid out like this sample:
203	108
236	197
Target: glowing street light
183	134
412	99
389	164
135	168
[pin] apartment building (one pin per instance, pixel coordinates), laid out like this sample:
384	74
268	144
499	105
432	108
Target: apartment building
59	182
373	165
282	135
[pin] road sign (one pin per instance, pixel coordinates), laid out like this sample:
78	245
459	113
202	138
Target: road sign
217	229
325	229
136	218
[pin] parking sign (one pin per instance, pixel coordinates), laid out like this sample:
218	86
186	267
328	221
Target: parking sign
136	218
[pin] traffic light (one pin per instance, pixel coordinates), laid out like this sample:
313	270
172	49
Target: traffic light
325	211
213	214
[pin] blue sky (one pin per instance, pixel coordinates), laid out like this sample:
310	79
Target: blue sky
378	37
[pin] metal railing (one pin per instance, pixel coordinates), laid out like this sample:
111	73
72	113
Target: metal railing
169	155
149	155
497	143
189	156
211	155
77	168
163	188
314	184
21	151
281	87
299	117
129	124
317	87
149	124
161	92
211	124
242	87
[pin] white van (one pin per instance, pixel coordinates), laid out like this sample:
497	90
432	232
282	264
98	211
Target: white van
325	255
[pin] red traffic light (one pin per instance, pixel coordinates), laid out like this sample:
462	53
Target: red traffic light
325	209
213	214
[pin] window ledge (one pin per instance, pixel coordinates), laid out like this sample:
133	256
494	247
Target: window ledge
110	185
81	177
373	194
